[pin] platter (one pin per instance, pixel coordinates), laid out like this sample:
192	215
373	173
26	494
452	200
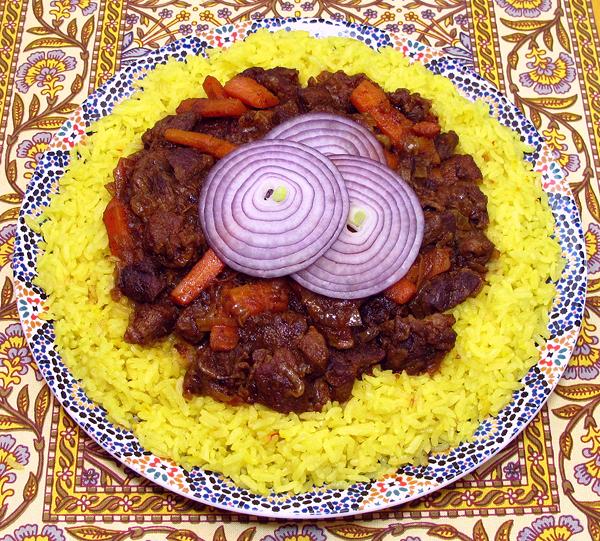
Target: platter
409	482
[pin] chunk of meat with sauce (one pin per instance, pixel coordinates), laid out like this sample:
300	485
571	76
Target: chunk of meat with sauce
273	330
221	375
468	200
175	239
189	166
141	281
445	291
279	380
188	324
457	168
347	366
440	228
329	92
253	125
462	197
474	249
333	317
412	105
445	144
152	185
149	322
415	345
315	350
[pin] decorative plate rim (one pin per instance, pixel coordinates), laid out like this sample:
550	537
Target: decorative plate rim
338	503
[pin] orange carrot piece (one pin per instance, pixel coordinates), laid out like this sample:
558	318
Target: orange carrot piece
206	143
391	122
250	92
200	277
426	129
402	291
252	299
391	159
213	107
369	98
223	338
213	88
205	324
115	218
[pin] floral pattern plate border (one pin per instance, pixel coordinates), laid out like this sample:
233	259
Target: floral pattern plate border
409	482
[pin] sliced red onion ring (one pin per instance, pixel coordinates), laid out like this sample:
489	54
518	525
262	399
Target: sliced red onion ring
388	231
271	208
330	135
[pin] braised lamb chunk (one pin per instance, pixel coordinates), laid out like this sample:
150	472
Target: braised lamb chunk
141	281
445	291
221	375
278	380
329	92
154	137
174	239
149	322
315	350
474	249
455	168
152	184
223	128
188	324
414	345
253	125
285	111
467	199
316	99
189	166
378	309
440	228
445	144
273	330
412	105
335	318
346	366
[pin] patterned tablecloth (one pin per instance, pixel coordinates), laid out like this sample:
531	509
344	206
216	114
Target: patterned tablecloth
57	485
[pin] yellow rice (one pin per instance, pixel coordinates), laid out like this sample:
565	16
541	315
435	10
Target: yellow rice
391	419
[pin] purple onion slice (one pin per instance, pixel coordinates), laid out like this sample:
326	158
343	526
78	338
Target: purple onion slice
330	135
271	208
381	240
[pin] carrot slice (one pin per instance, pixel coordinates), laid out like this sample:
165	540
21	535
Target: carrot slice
213	88
115	218
426	129
250	92
402	291
213	107
369	98
391	159
252	299
201	276
206	143
223	338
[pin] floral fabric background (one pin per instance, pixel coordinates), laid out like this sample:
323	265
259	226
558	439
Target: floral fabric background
57	485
